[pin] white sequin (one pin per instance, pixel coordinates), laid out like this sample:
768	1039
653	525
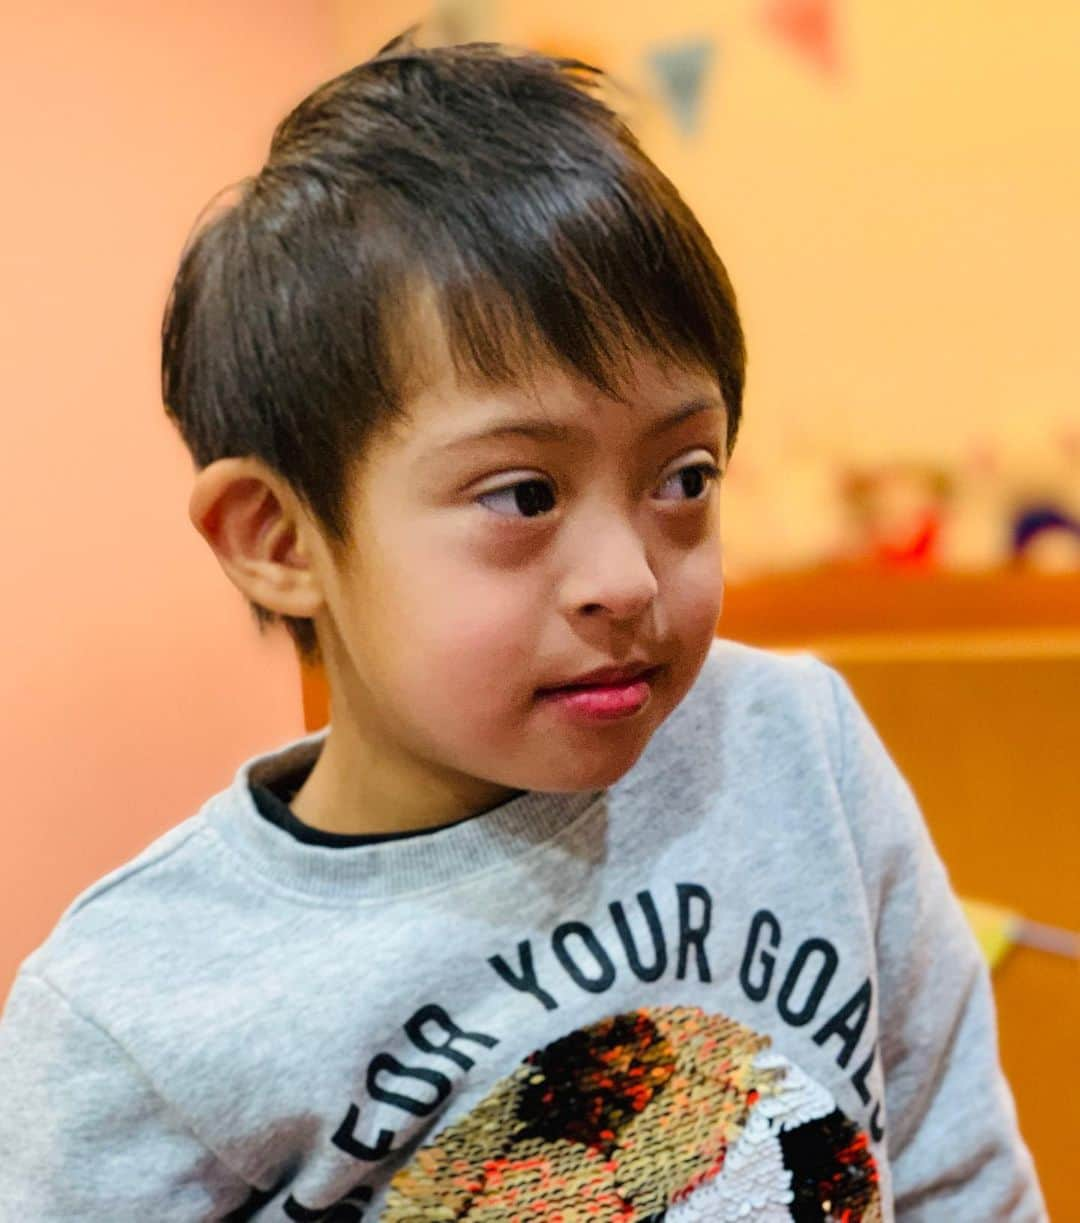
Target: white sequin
753	1183
799	1098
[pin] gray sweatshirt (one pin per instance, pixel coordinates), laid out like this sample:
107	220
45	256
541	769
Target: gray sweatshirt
734	985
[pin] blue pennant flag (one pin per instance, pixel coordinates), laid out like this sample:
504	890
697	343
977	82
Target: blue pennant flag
681	68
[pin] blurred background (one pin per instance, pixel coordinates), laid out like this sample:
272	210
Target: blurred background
892	190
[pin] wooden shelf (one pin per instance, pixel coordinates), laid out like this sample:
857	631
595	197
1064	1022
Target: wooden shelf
842	602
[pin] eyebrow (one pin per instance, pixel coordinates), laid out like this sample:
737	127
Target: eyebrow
543	430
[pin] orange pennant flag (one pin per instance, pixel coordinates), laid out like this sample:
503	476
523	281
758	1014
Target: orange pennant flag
809	26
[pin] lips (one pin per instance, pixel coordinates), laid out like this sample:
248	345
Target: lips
606	677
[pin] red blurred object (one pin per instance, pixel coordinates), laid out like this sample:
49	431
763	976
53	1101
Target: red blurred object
918	551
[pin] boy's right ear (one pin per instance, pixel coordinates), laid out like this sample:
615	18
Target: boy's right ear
260	534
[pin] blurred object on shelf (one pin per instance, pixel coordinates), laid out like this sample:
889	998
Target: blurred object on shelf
895	513
1047	538
817	501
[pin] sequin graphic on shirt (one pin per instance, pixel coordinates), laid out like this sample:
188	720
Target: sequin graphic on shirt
661	1113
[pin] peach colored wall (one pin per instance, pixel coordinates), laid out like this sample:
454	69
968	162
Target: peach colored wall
133	681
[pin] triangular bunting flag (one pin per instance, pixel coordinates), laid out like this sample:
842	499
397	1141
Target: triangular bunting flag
994	927
809	26
681	69
997	929
453	22
1048	938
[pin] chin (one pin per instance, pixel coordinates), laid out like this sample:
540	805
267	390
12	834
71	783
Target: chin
596	774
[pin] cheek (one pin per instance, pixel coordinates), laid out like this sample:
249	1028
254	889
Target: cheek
471	630
696	590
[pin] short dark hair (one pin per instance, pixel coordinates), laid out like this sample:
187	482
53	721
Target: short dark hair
496	182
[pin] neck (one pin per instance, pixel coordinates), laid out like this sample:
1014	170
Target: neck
357	787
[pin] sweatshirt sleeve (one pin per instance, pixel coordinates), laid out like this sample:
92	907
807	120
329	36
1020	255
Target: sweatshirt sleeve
951	1131
83	1133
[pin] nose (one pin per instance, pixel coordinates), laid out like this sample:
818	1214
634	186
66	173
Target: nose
611	575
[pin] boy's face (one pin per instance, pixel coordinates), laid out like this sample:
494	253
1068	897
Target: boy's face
507	542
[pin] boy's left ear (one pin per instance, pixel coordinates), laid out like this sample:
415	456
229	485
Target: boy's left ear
259	532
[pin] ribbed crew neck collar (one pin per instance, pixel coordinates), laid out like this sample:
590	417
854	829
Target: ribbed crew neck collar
386	868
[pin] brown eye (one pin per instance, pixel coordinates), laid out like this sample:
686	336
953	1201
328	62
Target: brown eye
693	481
526	499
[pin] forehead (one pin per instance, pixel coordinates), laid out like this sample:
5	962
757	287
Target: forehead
554	405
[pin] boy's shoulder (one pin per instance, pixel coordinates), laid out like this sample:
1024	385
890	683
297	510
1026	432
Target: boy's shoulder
134	908
759	672
755	707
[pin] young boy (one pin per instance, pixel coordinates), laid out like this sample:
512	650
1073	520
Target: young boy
574	911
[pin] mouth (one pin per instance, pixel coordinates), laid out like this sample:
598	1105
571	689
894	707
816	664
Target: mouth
606	677
603	696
